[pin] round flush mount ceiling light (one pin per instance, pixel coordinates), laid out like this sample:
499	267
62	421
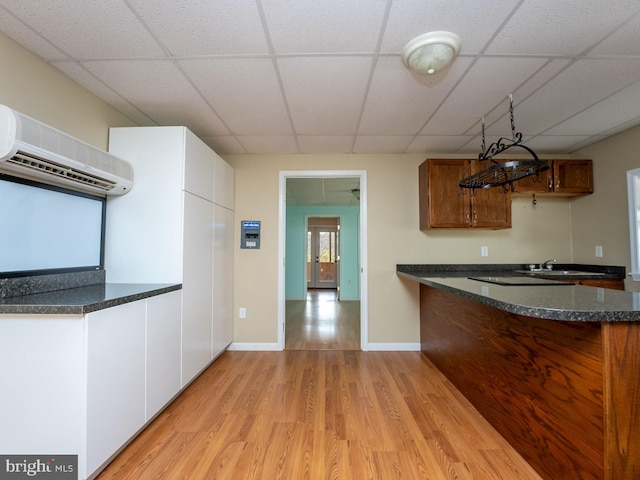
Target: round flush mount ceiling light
431	52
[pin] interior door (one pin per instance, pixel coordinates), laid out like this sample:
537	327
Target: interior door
322	257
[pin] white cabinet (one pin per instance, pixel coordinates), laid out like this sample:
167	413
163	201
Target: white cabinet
41	373
163	351
115	379
84	385
222	278
197	285
165	230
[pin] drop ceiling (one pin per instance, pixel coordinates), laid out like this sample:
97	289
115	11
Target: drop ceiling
326	77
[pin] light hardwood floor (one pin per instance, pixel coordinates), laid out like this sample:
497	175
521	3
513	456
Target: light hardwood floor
319	415
322	322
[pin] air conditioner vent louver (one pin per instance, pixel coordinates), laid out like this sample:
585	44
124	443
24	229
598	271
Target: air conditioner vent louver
34	150
62	171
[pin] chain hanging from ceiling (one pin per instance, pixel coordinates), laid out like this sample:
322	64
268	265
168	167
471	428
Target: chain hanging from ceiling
503	173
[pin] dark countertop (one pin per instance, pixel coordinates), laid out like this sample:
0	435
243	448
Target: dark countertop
554	302
82	300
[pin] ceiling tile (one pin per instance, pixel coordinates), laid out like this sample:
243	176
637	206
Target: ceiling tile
624	41
442	144
550	144
400	102
583	84
81	76
485	87
224	145
325	144
619	109
325	94
28	38
381	144
204	27
309	26
269	144
246	93
160	91
472	20
560	27
90	29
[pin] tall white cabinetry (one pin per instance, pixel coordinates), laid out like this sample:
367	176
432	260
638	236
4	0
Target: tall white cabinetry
176	226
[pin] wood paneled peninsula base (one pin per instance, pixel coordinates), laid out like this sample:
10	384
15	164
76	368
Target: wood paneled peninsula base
563	392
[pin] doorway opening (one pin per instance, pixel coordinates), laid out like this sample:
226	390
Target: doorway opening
323	243
328	305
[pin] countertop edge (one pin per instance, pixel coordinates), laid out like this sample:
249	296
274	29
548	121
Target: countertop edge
528	310
82	308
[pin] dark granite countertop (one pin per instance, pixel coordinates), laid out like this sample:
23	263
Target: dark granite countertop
554	302
82	300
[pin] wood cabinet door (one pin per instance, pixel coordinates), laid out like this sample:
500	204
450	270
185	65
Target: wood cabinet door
573	176
535	184
442	204
490	207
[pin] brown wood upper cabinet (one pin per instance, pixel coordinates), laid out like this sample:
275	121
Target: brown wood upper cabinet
443	205
564	178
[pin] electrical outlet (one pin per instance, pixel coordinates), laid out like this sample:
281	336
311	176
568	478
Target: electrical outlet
598	250
484	251
243	312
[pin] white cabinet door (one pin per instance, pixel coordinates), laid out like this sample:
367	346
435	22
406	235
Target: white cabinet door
163	350
115	379
197	286
144	227
224	178
42	385
198	167
222	279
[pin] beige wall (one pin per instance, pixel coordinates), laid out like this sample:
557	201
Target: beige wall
539	232
36	89
603	218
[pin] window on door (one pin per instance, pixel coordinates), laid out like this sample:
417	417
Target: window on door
322	256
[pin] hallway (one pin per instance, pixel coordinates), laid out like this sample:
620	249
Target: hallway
322	322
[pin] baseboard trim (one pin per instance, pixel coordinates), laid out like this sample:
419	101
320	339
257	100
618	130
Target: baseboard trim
393	347
257	347
371	347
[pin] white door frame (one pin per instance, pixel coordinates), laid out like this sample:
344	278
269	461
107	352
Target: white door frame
282	221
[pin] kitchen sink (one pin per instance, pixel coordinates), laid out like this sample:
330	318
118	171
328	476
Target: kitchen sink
557	273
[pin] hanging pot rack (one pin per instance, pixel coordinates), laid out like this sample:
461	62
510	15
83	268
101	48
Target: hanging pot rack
503	174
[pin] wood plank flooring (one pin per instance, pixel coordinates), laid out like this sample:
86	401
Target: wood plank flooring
322	322
319	415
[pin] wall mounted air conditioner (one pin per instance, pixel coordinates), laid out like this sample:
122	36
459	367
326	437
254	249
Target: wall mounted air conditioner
31	149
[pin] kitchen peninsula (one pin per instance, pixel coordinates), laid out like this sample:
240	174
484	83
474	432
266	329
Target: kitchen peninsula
553	367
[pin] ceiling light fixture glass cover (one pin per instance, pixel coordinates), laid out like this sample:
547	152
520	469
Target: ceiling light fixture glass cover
431	52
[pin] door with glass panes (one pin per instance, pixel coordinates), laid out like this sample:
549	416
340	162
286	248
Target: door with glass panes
322	256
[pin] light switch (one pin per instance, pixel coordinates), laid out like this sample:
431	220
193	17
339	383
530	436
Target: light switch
484	251
598	250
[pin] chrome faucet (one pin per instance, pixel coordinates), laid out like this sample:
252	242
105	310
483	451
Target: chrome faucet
546	264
